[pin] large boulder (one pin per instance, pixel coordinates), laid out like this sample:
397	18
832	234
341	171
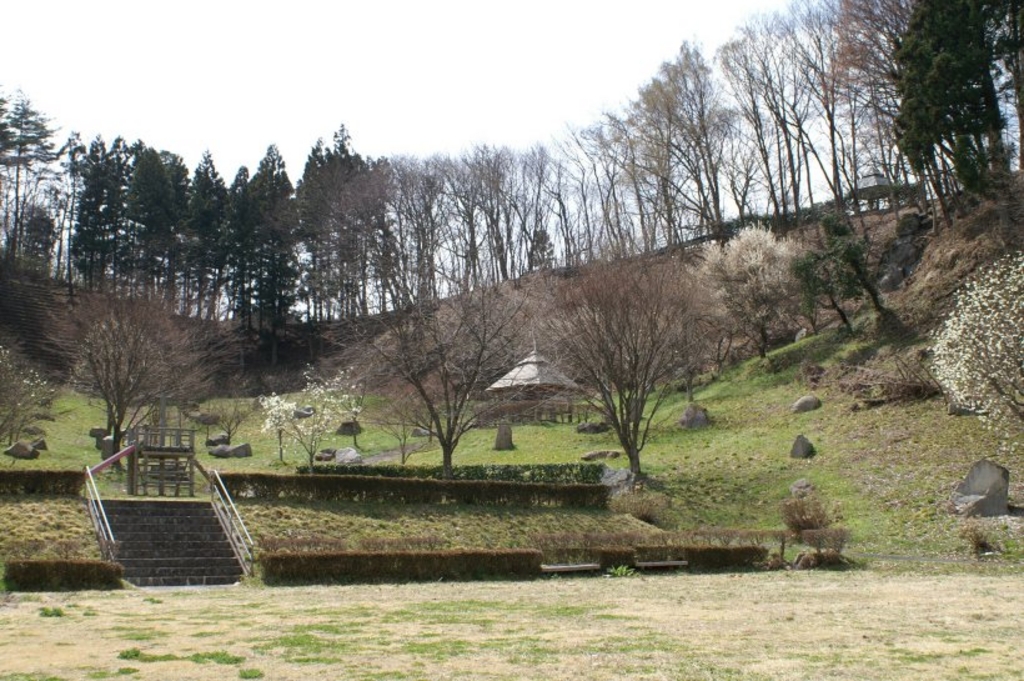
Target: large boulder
348	456
802	448
984	492
98	433
592	428
40	444
619	480
419	432
805	404
22	450
241	451
601	454
303	412
349	429
695	416
503	439
218	439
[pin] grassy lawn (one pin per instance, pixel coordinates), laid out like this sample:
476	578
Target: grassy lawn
845	626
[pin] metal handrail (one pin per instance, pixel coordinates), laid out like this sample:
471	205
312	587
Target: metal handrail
105	535
230	519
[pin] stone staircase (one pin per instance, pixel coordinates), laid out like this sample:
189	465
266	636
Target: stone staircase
171	543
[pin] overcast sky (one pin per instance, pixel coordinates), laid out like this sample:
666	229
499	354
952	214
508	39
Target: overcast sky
404	77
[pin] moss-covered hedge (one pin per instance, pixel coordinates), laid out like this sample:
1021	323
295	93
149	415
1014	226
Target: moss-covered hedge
401	566
62	575
61	483
412	491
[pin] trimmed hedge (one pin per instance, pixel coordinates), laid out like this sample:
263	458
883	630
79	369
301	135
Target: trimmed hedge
61	483
724	557
391	566
355	488
552	474
62	575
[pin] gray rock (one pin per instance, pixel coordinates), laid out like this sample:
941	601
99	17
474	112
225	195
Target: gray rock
695	416
241	451
349	429
503	439
618	479
800	335
802	488
98	433
601	454
33	431
218	439
347	456
805	404
107	446
22	450
420	432
958	409
984	492
802	448
591	428
40	444
303	412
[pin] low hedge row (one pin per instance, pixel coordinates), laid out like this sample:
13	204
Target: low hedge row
62	575
411	491
382	566
698	557
62	483
552	474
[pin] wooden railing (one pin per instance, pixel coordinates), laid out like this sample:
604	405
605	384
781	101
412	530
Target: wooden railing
163	439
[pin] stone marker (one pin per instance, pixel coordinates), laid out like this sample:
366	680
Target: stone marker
695	417
806	403
503	440
802	448
984	492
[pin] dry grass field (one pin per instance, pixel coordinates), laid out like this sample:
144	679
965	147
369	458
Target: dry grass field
939	623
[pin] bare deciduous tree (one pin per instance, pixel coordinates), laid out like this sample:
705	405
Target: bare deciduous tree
448	352
132	354
625	329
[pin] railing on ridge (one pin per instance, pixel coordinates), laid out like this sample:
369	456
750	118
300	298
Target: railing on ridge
230	519
105	535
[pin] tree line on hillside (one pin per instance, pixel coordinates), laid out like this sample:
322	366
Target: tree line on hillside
782	119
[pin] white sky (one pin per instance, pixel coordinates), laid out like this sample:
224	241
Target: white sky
404	77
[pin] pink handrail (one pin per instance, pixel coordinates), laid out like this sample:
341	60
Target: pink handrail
107	463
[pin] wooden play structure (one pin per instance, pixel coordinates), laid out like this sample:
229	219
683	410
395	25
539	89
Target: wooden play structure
163	463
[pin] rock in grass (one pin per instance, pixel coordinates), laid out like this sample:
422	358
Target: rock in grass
695	417
806	403
601	454
22	450
984	492
802	448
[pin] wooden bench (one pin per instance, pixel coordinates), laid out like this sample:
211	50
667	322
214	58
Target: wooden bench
571	567
657	564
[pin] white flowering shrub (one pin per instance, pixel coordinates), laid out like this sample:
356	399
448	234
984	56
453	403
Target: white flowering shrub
330	406
752	277
23	395
979	351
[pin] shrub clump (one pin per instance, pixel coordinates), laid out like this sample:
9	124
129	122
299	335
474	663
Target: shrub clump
805	513
649	507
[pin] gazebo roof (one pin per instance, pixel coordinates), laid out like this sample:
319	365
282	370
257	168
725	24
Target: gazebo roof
534	371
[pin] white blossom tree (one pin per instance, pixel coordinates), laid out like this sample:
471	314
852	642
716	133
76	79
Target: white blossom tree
323	406
979	351
25	394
